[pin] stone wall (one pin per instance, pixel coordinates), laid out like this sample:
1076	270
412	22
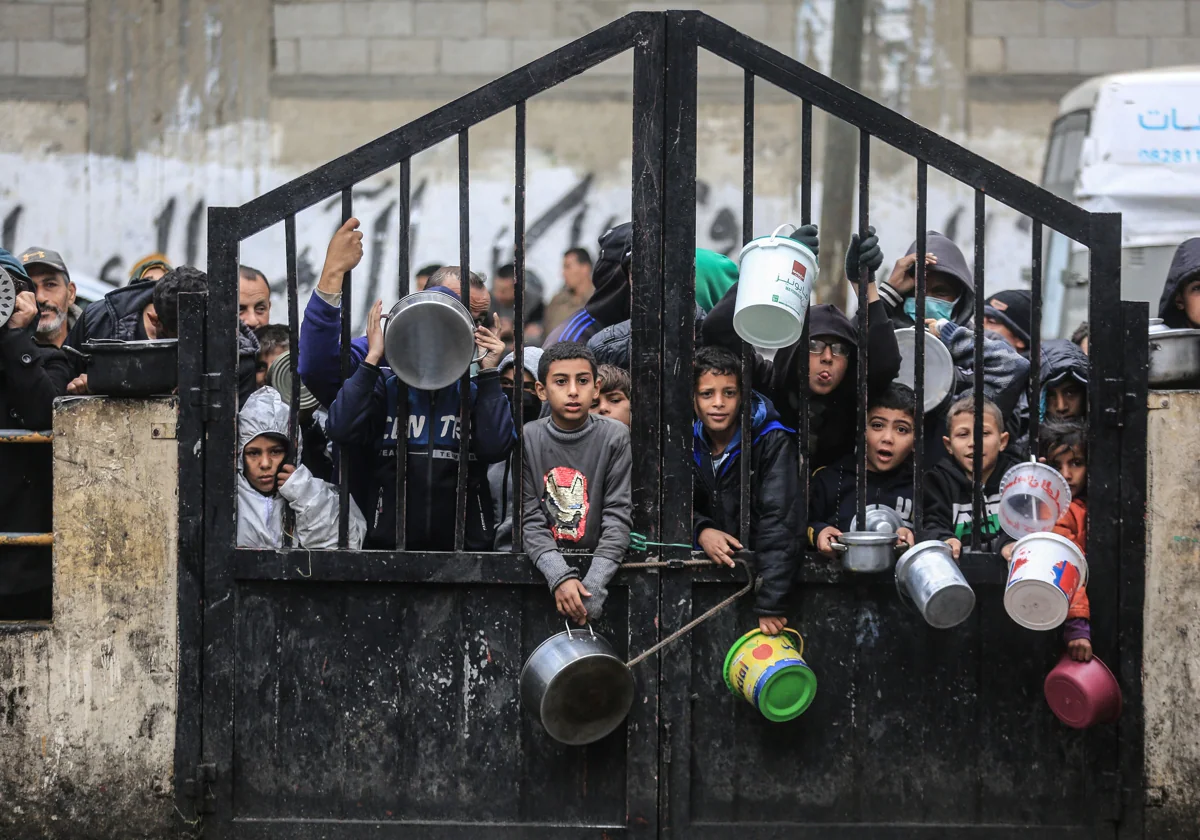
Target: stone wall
87	727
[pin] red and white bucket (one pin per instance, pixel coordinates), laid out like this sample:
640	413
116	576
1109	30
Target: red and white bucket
1045	572
1033	497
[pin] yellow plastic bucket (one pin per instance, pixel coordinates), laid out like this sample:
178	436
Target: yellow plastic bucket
771	674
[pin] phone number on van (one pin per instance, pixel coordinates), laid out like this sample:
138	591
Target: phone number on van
1169	155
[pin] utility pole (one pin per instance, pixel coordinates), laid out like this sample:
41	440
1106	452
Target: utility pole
838	184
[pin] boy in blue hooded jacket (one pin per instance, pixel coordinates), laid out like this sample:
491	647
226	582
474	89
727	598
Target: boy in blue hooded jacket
718	444
365	415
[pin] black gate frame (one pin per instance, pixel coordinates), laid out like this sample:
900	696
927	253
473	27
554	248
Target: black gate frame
663	190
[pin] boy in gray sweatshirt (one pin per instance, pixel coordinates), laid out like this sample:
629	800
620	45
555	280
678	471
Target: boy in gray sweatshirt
575	487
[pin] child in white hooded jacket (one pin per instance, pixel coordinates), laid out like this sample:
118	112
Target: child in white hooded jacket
268	480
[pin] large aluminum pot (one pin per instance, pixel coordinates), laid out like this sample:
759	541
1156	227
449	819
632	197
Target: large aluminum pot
575	684
928	575
429	340
1174	355
866	551
939	367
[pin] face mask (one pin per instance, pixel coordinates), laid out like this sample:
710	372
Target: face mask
938	310
531	406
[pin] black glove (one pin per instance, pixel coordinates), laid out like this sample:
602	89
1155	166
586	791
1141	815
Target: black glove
863	254
806	235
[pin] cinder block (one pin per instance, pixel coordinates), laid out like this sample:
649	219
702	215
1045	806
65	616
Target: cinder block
1151	17
70	23
333	56
1039	55
485	56
520	18
379	19
287	59
450	20
579	17
986	55
309	20
1167	51
8	58
1079	20
527	50
1006	17
51	58
21	22
1112	55
404	56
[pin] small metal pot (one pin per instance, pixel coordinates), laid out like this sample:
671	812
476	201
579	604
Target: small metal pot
928	577
1174	355
132	368
866	551
577	686
429	340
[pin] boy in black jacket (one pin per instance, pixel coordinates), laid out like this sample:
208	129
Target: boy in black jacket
716	501
833	502
949	486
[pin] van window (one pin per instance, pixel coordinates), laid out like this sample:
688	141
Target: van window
1062	155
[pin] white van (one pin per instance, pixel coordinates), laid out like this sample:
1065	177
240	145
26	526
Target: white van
1127	143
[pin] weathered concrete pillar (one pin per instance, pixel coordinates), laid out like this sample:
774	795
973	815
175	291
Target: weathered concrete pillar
87	703
1172	617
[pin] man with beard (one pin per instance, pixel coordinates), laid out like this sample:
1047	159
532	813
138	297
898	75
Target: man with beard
55	294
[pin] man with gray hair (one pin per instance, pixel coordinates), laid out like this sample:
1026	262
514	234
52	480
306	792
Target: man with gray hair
55	294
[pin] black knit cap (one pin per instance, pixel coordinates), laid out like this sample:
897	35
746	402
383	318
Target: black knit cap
1013	308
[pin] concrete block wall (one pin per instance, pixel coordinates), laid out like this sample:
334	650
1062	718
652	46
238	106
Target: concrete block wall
1039	37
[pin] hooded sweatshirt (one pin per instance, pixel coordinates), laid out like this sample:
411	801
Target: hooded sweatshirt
774	515
576	497
500	476
609	303
1185	266
315	502
833	495
949	505
950	260
832	416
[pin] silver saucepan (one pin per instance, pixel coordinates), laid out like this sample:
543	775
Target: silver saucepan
866	551
1174	355
429	340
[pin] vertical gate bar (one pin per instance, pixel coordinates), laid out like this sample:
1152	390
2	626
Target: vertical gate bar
190	580
978	509
464	385
518	458
404	272
864	220
747	351
919	351
293	303
1131	558
344	351
1035	339
646	774
679	316
220	504
802	451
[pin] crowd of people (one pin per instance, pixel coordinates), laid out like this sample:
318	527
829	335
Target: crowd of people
574	397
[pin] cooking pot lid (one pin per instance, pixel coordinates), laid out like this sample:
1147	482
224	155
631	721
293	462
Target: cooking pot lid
880	519
8	296
103	344
853	538
939	366
279	377
429	340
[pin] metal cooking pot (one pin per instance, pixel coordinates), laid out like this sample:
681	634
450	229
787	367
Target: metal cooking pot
939	367
928	578
866	551
132	368
577	686
881	519
1174	355
429	340
279	377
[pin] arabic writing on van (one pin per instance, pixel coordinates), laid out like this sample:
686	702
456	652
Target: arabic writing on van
1156	120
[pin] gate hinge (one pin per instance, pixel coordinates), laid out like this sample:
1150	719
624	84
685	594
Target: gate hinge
207	397
199	788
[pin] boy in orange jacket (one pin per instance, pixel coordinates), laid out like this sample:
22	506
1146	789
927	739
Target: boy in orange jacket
1064	445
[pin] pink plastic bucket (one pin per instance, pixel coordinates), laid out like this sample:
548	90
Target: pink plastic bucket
1043	576
1083	694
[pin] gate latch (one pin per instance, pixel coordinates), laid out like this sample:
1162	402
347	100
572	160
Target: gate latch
199	788
207	397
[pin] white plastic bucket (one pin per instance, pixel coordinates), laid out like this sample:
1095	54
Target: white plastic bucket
1045	572
1033	497
775	277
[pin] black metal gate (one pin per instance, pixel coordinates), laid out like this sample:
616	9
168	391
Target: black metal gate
336	694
